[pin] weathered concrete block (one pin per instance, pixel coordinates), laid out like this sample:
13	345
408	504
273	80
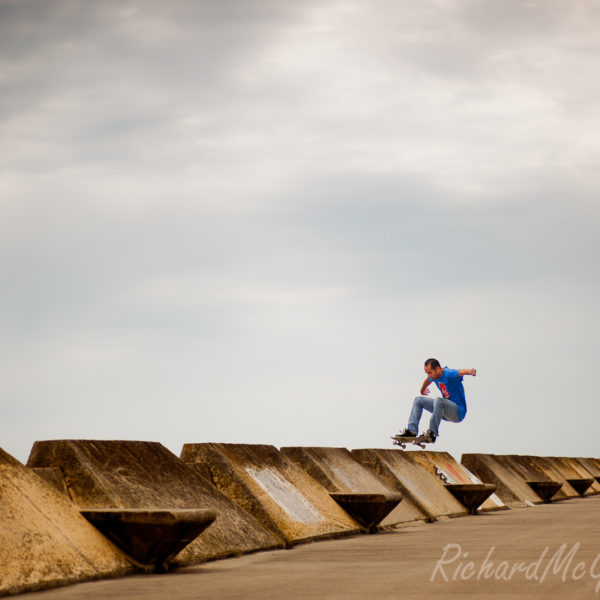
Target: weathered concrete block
510	485
414	481
443	465
578	477
531	471
552	470
273	488
130	474
339	471
44	541
591	467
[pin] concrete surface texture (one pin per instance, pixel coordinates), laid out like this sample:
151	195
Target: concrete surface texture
130	474
338	470
273	488
413	480
443	465
44	541
54	477
547	552
510	485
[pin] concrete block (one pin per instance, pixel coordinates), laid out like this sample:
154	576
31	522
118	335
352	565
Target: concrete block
595	461
553	471
339	471
145	475
443	465
511	488
44	541
272	487
414	481
532	472
577	476
591	467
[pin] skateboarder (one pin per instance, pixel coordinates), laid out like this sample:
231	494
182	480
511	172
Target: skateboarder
452	407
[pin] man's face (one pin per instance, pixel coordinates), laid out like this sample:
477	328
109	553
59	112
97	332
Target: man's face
434	373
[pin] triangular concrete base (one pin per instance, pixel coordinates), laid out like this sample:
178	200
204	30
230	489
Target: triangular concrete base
580	485
150	537
545	489
472	495
367	509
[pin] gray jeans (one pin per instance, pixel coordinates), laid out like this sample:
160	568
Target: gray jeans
440	409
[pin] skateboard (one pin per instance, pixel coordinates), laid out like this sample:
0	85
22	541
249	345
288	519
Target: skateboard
420	440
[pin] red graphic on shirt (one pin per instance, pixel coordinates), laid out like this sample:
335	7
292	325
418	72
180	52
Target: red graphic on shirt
444	390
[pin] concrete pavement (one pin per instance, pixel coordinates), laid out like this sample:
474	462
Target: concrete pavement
501	554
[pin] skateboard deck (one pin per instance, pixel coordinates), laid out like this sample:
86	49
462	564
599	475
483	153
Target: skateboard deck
420	440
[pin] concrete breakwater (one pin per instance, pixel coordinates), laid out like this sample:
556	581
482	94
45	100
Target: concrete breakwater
249	498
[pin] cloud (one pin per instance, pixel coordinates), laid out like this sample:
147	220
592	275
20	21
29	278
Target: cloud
276	211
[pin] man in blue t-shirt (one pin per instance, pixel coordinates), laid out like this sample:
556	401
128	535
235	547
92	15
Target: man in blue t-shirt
451	407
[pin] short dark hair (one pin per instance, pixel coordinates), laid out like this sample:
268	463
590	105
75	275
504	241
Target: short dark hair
434	363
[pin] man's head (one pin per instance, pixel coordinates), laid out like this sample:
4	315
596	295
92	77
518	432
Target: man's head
433	369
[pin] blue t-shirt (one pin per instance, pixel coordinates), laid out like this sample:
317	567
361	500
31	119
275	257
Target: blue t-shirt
450	384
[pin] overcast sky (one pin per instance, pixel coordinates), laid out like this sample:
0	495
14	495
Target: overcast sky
252	221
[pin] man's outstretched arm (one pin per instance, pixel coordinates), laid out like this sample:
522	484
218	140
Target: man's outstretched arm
467	372
425	387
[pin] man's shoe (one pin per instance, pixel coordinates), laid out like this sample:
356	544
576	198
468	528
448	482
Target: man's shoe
406	432
432	436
